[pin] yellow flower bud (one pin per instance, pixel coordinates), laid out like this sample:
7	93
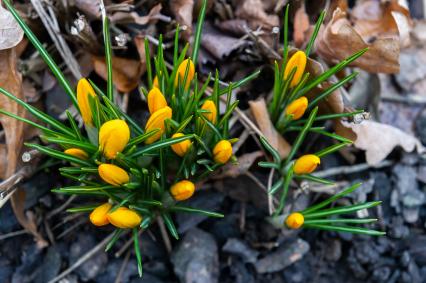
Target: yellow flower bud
155	82
180	75
76	152
298	60
113	174
156	100
306	164
297	108
182	190
156	121
124	218
222	152
211	107
295	220
182	147
113	137
98	216
84	91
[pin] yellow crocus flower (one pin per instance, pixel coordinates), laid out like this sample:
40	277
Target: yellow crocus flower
182	147
98	216
84	91
298	60
76	152
124	218
113	137
306	164
295	220
113	175
222	152
210	106
297	108
156	100
180	74
156	121
182	190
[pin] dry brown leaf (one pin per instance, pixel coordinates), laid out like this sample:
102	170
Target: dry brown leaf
219	44
89	7
11	80
301	26
134	17
253	11
182	9
338	40
125	72
378	140
261	115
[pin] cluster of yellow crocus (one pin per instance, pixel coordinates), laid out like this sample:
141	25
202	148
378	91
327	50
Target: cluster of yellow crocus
306	164
295	220
297	108
122	217
298	61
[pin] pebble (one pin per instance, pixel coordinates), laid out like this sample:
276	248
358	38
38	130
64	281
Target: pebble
240	248
195	260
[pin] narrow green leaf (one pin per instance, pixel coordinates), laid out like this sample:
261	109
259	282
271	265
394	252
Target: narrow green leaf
341	220
198	32
195	210
170	225
315	33
85	208
349	229
59	155
137	251
341	210
160	144
315	179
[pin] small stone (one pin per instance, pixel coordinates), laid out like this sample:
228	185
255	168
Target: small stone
240	248
413	198
283	257
6	270
405	259
420	125
195	260
241	273
50	267
405	178
381	274
334	250
410	214
421	174
397	229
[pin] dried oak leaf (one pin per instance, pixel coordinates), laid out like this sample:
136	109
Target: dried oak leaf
134	17
378	140
261	115
253	11
125	72
182	9
338	40
10	31
301	26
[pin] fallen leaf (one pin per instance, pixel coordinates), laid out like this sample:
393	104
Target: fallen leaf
301	26
10	31
253	11
182	9
89	7
11	80
261	115
140	46
134	17
219	44
378	140
125	72
338	40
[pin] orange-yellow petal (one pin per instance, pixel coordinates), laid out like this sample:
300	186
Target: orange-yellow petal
124	218
182	147
156	121
156	100
306	164
99	215
84	91
182	190
113	175
113	137
222	152
76	152
298	60
180	74
295	220
297	108
210	106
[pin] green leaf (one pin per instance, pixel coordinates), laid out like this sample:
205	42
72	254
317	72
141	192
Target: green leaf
141	138
286	185
331	199
198	32
240	83
85	208
114	239
86	146
315	179
59	155
341	210
341	220
137	250
44	54
349	229
38	126
275	154
315	33
160	144
170	225
108	56
332	148
195	210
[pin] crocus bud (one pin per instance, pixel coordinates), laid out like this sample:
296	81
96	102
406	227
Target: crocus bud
222	152
306	164
76	152
180	75
84	91
182	190
295	220
298	60
297	108
113	137
98	216
156	121
211	107
113	174
156	100
155	82
182	147
124	218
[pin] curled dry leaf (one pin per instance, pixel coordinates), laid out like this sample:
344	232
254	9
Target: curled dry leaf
182	9
125	72
338	40
134	17
261	115
244	163
10	31
253	11
301	26
378	140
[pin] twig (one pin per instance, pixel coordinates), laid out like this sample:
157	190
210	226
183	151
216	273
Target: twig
123	266
83	259
61	208
126	245
164	234
350	169
13	234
